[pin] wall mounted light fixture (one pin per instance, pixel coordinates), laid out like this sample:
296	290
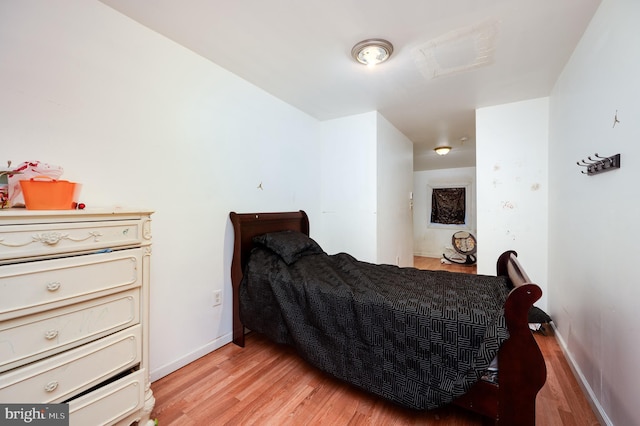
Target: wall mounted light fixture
372	51
442	150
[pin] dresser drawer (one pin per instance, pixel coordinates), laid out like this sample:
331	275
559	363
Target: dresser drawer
35	286
27	339
49	239
110	403
65	375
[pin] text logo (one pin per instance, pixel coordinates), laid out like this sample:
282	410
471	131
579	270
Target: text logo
34	414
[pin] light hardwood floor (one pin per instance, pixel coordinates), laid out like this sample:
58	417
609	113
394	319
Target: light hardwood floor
268	384
433	264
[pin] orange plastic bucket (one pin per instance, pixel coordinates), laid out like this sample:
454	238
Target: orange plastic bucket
44	193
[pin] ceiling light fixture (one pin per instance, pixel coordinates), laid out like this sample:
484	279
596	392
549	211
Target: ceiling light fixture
442	150
372	51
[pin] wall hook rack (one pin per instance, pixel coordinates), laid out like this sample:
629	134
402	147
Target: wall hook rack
599	164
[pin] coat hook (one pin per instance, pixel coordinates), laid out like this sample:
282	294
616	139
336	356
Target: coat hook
587	163
599	164
607	160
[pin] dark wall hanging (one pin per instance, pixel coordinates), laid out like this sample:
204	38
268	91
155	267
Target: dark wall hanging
448	206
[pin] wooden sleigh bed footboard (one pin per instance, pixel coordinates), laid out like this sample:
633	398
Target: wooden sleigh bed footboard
522	370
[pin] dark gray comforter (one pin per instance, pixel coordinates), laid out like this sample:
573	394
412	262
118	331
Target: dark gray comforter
418	338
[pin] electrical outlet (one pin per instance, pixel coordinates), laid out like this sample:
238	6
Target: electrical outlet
217	297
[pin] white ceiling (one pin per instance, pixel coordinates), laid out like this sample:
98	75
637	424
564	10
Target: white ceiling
300	51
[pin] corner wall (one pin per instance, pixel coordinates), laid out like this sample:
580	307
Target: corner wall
349	178
394	186
366	180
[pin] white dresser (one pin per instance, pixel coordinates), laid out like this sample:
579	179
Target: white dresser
74	312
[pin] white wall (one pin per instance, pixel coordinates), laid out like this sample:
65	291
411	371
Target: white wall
593	220
141	121
431	240
349	177
513	186
366	180
394	184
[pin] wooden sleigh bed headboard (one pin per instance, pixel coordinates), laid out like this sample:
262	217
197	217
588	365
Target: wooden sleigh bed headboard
522	368
245	227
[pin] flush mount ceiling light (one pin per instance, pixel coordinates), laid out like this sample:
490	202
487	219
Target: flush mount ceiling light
442	150
372	51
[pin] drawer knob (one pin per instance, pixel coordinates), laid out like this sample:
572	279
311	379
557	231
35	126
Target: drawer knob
51	334
51	386
53	286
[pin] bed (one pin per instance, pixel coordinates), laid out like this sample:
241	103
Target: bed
395	332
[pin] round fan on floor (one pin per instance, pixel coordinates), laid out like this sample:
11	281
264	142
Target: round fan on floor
464	244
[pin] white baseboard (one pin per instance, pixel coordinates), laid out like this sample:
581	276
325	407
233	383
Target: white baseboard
582	381
433	255
189	358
